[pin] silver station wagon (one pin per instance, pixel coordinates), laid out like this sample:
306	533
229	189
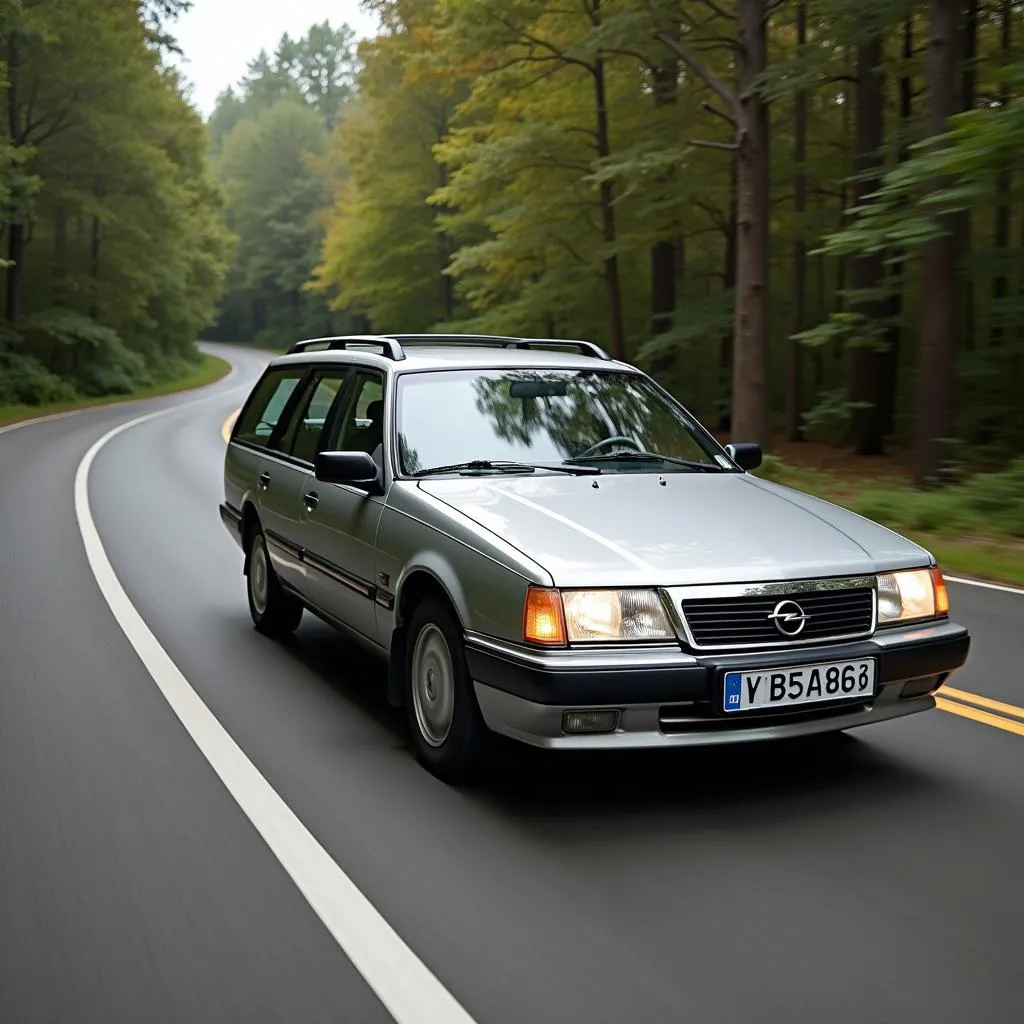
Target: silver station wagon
541	542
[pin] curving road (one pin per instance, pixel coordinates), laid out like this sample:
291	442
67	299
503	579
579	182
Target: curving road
876	880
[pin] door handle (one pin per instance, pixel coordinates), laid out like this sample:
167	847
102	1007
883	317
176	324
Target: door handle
312	499
264	480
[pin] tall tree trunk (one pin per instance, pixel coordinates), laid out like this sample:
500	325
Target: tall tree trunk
795	374
60	253
94	266
817	353
937	346
842	270
445	247
728	285
15	229
1008	368
751	411
968	90
60	244
611	260
663	251
889	358
867	271
1001	281
663	297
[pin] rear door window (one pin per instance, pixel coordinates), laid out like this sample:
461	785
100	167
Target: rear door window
360	425
302	440
260	421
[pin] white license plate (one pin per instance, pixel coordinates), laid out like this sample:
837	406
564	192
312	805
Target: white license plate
758	689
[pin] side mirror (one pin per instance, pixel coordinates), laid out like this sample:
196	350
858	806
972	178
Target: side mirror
357	469
746	456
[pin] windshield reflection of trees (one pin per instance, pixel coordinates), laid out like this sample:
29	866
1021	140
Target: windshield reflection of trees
595	406
408	457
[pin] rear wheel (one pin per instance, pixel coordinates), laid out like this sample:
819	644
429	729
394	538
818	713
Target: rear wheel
274	611
448	731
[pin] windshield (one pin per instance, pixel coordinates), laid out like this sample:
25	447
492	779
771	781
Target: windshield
614	420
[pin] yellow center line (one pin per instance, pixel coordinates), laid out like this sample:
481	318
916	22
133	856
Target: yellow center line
225	430
983	702
1006	724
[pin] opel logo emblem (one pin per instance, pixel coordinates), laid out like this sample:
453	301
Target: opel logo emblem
789	618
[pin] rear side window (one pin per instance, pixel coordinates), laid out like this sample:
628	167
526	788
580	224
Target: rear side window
361	424
303	436
258	421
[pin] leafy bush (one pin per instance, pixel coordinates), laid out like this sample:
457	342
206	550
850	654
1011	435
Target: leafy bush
998	498
92	357
25	381
987	504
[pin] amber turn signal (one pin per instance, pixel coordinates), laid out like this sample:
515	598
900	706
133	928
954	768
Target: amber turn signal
941	592
543	617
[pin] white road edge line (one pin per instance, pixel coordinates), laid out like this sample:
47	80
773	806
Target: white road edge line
985	586
408	990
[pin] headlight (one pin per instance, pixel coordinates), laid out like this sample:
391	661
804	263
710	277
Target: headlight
615	615
912	595
554	617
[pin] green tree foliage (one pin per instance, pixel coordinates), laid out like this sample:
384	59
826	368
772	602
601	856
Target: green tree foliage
741	195
323	65
267	140
114	233
385	252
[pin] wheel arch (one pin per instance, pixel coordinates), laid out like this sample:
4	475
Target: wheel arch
414	587
250	524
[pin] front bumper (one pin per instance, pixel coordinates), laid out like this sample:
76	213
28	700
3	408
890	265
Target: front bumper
668	697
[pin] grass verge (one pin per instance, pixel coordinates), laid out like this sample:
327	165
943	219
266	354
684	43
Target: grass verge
208	370
974	529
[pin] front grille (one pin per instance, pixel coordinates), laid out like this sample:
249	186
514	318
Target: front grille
747	622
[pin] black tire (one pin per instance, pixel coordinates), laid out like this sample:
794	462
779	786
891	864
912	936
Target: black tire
457	754
274	612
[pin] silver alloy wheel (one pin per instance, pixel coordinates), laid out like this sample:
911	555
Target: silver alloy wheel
259	576
433	685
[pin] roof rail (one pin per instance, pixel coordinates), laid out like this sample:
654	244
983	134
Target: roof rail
391	347
392	344
587	348
455	339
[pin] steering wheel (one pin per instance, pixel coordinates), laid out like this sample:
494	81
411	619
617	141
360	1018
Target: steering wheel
617	439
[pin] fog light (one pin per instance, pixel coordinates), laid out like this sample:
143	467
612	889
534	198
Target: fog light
604	720
920	687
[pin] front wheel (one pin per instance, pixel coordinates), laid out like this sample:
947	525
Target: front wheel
274	611
448	731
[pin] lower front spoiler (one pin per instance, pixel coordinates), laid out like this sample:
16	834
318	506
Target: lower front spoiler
652	726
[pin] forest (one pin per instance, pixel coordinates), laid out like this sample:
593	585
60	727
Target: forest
115	247
804	217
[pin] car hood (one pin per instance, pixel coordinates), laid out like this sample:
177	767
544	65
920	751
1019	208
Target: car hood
674	530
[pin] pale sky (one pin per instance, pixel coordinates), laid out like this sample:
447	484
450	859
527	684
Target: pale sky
220	37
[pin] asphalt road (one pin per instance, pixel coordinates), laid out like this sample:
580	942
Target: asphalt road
873	880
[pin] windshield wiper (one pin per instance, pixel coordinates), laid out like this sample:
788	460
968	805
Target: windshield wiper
631	456
507	467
